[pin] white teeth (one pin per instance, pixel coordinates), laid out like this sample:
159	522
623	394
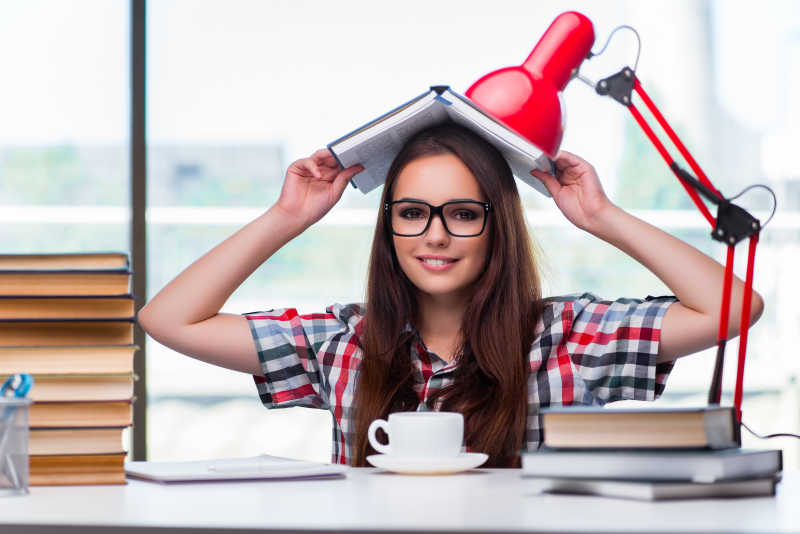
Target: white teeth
431	261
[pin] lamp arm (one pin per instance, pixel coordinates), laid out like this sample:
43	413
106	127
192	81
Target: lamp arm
731	225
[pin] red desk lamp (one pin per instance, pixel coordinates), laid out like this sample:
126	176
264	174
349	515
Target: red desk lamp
528	99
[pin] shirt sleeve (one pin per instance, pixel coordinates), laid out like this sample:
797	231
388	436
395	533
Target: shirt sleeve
614	345
287	344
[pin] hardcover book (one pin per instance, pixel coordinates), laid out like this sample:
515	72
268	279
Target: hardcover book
21	332
75	441
80	414
683	465
67	359
575	427
66	307
88	387
375	144
65	470
68	261
65	282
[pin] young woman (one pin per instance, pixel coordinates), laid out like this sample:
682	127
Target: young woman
454	318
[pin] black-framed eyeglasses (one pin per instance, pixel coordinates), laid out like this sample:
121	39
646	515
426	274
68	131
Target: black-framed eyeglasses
460	218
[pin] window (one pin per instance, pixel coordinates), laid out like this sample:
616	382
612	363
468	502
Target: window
239	90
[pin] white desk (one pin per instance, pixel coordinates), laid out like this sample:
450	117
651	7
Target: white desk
485	500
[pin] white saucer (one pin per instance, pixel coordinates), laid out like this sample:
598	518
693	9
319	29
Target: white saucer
428	466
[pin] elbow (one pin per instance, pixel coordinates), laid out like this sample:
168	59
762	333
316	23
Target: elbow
145	319
756	307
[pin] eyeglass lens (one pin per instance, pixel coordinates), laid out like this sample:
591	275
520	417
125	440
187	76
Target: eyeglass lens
460	218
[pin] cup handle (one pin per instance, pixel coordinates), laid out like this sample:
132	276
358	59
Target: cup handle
373	427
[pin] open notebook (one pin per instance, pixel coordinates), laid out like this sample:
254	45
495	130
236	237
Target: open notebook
256	467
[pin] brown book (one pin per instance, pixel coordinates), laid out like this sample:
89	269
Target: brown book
60	261
65	332
65	282
89	387
44	441
110	359
80	414
593	427
63	307
78	469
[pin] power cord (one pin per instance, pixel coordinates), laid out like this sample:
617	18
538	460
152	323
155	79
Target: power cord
769	436
769	190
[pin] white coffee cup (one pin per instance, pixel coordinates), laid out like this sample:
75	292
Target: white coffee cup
419	434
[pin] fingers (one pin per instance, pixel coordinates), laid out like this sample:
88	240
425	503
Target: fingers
323	156
349	172
311	166
324	166
343	177
549	181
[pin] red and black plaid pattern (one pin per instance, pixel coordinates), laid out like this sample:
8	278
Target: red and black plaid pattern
588	351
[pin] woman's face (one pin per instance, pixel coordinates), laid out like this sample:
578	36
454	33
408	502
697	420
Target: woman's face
437	263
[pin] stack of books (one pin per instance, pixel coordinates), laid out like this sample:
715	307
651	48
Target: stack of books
68	319
649	454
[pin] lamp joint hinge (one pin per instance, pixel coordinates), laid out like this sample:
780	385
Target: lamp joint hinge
618	86
734	224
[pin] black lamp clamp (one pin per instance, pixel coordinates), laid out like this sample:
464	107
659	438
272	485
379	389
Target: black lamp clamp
618	86
733	222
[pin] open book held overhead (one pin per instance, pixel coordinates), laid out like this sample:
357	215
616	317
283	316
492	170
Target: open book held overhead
375	144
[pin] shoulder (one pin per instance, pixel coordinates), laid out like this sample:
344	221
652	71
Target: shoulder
580	308
573	304
288	322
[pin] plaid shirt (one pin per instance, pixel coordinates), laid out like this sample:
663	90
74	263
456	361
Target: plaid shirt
588	351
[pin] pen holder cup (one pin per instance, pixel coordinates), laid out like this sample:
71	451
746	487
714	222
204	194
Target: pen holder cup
14	431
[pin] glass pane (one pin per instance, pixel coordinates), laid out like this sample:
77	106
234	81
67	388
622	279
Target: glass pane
65	122
64	141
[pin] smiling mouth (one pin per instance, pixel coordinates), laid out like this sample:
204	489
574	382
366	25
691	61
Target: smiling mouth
436	261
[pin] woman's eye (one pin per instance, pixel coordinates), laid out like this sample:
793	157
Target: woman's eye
465	215
412	213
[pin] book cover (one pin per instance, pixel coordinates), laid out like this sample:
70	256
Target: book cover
375	144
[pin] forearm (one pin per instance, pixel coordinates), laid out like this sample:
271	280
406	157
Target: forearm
201	290
693	277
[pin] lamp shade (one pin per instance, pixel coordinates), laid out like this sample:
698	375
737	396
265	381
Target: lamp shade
527	97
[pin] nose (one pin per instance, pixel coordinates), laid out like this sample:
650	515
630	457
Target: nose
437	235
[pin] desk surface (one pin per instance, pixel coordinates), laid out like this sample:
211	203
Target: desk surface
483	500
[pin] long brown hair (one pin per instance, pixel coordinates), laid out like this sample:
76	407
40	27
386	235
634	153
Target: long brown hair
490	380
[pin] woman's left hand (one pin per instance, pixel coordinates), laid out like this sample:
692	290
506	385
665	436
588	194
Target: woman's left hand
576	190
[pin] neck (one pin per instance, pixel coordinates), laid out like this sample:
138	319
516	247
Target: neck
440	323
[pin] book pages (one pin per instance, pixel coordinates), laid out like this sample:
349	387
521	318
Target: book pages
376	145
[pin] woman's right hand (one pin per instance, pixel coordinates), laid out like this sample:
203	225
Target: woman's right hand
313	185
